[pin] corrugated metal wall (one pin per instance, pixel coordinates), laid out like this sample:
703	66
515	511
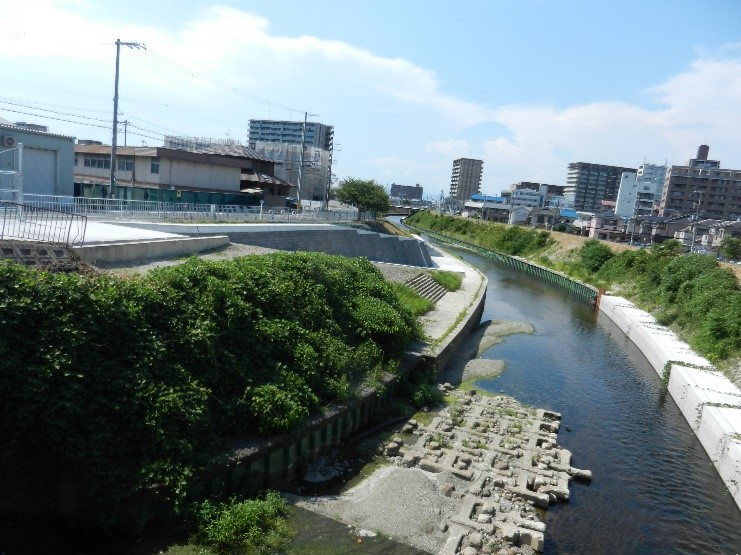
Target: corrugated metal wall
48	161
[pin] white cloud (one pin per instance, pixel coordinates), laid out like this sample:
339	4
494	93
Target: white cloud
225	66
455	148
701	105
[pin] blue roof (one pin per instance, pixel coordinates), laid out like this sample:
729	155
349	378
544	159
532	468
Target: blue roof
568	213
486	198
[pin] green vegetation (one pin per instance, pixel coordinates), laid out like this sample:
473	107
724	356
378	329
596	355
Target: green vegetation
426	395
731	248
520	241
365	194
692	293
113	386
450	280
412	301
255	526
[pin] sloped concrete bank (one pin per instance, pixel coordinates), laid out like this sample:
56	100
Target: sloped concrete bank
710	403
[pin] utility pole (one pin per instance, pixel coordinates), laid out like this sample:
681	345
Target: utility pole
697	220
303	149
114	140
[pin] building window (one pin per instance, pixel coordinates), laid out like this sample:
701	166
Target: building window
155	168
126	164
97	161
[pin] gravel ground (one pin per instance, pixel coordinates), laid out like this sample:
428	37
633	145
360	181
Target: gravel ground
405	504
464	364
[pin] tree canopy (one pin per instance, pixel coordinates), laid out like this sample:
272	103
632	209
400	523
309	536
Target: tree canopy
731	248
365	194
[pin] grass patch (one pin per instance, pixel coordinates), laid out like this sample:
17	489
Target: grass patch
411	300
471	384
450	280
251	526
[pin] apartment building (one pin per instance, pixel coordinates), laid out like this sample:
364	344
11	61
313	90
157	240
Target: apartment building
290	143
465	179
406	192
702	189
592	183
639	192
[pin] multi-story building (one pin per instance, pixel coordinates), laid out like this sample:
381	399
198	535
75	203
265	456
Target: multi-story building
465	179
639	192
532	198
177	174
527	193
290	142
592	183
703	189
290	132
406	192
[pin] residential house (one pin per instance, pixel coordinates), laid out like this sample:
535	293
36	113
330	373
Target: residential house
544	218
606	226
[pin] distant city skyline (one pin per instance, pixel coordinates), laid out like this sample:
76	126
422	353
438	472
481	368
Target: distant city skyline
528	88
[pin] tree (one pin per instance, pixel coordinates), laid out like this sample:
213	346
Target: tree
594	254
365	194
731	248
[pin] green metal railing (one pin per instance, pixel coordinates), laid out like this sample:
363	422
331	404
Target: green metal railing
582	291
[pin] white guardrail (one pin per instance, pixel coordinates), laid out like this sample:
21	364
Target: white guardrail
146	209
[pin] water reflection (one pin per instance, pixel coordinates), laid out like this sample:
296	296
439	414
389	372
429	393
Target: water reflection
654	489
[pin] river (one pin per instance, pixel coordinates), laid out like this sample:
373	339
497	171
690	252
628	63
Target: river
654	489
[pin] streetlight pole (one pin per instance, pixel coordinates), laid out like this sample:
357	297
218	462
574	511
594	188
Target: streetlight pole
114	140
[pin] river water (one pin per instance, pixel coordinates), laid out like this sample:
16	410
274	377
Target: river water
654	489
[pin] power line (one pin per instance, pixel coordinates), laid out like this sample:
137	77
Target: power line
37	103
57	119
52	111
197	75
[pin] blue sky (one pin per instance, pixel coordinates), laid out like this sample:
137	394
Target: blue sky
526	86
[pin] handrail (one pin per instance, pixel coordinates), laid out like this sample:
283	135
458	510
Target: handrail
32	223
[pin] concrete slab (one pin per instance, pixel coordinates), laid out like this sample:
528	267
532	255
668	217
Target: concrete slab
107	232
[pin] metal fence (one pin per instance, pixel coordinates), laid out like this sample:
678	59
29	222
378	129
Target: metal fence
32	223
153	210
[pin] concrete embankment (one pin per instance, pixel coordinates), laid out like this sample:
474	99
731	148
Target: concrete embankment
710	403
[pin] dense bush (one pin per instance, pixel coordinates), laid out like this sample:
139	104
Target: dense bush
425	394
251	526
514	240
594	254
116	385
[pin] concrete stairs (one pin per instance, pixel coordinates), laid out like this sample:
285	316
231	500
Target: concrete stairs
427	287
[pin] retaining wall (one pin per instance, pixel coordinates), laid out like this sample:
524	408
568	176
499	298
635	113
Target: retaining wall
582	291
143	250
326	238
710	403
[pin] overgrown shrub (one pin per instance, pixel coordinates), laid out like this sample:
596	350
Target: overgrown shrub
111	386
515	240
594	254
426	395
252	526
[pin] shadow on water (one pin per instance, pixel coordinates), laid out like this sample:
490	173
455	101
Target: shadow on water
654	489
